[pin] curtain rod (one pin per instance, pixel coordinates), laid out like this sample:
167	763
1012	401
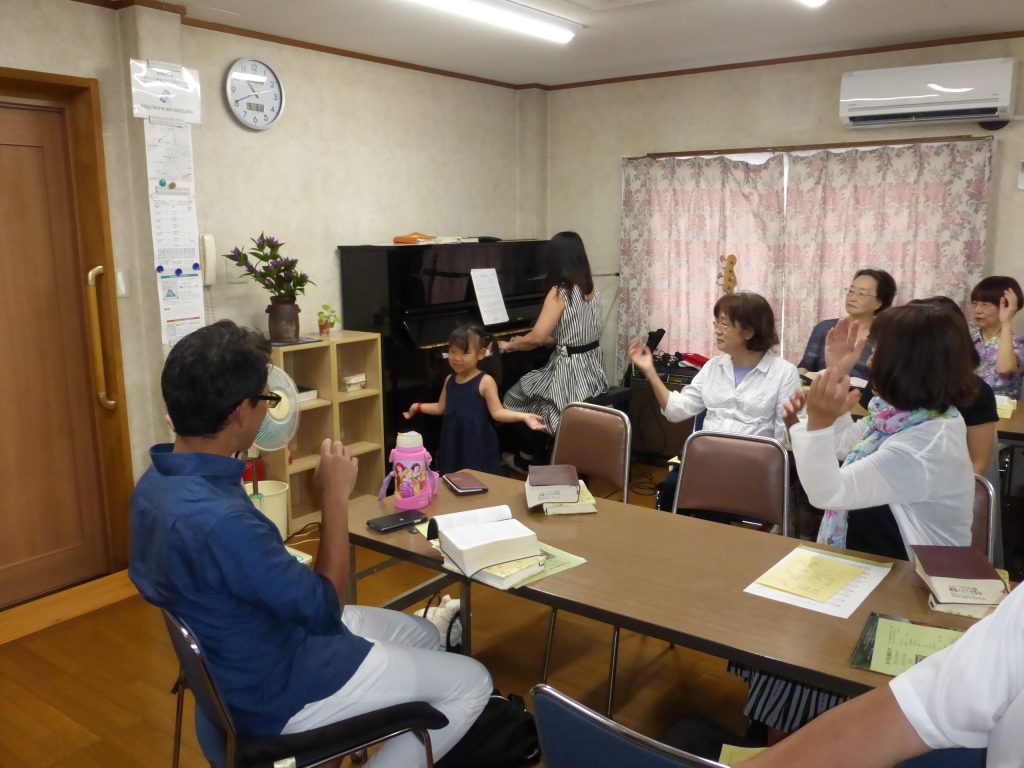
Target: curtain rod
805	147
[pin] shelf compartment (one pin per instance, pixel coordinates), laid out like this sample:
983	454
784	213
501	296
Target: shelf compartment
303	464
359	420
314	426
356	357
309	365
359	394
312	405
303	508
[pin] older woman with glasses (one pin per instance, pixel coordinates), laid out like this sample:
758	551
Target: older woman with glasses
871	292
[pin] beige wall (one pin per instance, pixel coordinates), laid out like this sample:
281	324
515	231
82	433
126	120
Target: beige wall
591	129
364	151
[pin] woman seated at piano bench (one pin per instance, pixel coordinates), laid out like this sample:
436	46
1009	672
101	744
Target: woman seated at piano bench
743	389
870	292
570	320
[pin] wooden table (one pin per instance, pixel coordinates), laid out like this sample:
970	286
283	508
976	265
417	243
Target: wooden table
1012	429
679	579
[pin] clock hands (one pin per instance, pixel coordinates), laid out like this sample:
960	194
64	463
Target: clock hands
254	93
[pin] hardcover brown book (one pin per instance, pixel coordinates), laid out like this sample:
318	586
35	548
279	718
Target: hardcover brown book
552	482
958	575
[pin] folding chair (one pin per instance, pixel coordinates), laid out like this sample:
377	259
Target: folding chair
983	526
223	746
743	475
574	736
596	440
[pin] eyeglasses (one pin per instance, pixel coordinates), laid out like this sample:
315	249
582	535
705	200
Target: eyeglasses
274	399
719	324
860	294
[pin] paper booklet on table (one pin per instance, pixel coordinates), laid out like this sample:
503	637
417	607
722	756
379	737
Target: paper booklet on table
482	538
552	482
891	645
587	504
958	575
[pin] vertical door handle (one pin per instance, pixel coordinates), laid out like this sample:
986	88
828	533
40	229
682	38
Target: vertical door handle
97	340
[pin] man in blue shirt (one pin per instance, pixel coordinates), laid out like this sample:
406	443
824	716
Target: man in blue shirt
286	653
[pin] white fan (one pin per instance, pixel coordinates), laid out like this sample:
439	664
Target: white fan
281	422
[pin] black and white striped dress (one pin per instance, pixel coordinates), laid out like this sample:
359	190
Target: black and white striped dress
567	378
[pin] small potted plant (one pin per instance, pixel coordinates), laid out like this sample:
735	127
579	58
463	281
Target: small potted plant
327	318
278	274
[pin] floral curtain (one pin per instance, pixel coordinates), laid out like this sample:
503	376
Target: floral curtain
917	211
681	217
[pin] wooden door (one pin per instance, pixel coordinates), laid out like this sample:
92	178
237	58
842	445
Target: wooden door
53	521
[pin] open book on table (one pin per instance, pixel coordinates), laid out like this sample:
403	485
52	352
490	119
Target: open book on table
485	539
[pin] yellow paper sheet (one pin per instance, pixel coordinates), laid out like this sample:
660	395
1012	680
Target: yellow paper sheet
809	575
732	755
899	645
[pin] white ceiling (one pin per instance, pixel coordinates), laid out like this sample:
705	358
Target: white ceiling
620	38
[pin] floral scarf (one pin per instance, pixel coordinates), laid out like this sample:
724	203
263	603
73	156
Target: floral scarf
883	421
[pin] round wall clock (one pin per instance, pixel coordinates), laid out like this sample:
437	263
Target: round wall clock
254	93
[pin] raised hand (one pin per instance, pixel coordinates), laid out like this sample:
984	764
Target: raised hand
791	410
534	422
641	356
1007	307
336	472
829	398
842	347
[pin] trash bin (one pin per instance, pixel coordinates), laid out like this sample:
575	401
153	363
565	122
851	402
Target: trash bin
272	501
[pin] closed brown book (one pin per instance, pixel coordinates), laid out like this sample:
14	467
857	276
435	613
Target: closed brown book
958	575
552	482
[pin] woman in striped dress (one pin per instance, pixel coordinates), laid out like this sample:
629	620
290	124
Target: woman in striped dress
570	321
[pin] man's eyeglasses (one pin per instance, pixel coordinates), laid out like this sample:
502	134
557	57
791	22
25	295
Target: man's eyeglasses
274	399
861	294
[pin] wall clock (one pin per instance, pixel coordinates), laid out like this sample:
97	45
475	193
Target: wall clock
254	93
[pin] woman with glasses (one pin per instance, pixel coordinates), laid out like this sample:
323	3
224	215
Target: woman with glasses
871	292
995	300
743	389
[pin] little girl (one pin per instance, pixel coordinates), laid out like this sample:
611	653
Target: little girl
469	400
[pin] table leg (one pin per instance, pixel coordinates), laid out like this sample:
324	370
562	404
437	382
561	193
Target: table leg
466	610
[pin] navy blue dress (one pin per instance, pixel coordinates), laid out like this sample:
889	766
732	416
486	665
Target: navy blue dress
468	439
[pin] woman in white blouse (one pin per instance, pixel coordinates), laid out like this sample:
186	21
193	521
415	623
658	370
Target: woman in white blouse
743	389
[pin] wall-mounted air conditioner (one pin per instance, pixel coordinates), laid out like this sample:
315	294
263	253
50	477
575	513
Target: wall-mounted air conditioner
964	90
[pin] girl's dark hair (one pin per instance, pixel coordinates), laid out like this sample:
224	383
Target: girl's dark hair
750	312
922	357
885	286
211	372
568	265
992	288
461	338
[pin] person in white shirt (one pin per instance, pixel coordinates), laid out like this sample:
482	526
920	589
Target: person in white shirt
966	702
743	389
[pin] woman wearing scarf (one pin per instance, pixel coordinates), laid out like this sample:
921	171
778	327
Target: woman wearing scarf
910	454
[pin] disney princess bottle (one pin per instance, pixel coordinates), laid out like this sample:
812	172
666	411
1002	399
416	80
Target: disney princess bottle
415	482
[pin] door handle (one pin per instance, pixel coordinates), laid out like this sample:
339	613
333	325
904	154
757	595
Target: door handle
97	340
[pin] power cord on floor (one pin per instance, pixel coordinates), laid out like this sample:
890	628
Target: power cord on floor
643	484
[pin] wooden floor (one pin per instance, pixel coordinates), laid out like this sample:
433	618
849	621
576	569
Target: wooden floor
95	690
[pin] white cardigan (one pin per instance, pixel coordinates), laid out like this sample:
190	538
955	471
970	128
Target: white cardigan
923	473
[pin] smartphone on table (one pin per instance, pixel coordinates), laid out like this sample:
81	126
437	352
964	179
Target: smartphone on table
396	521
464	483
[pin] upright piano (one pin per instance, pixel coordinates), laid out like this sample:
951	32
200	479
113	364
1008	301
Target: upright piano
416	295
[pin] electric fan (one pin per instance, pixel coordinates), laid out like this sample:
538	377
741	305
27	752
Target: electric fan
280	423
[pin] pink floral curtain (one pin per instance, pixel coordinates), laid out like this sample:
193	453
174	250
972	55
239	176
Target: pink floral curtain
681	217
916	211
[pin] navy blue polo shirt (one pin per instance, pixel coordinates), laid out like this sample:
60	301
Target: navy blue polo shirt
270	627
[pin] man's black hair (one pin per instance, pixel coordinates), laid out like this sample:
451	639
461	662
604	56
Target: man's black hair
211	372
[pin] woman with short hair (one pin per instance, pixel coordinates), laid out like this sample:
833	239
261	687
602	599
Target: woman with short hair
871	292
995	301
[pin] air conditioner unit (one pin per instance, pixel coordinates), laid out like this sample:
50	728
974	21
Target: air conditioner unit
964	90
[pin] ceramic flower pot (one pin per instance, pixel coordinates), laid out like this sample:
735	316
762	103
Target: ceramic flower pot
283	320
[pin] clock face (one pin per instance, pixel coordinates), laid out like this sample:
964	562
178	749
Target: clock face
254	93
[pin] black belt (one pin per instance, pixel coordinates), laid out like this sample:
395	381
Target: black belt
582	348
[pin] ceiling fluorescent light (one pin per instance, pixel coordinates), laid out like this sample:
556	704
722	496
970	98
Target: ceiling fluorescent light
813	3
510	15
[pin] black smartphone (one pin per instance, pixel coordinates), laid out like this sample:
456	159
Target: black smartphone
654	339
396	521
464	483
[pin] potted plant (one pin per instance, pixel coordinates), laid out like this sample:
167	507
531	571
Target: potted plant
279	275
327	318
